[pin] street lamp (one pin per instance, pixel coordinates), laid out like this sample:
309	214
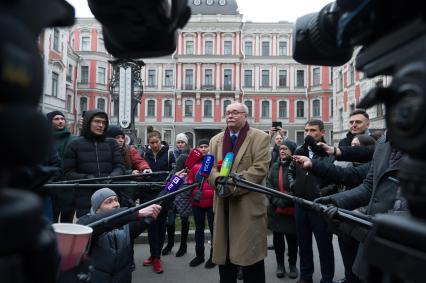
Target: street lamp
126	87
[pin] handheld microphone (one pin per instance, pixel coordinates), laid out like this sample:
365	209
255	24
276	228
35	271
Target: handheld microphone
193	158
174	183
204	172
310	141
225	170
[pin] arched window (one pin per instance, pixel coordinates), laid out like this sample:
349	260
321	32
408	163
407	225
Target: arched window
249	105
208	107
282	109
265	109
83	104
189	108
168	108
101	104
316	108
300	109
225	104
151	108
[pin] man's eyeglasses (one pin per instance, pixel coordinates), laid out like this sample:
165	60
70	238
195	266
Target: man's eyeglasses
233	113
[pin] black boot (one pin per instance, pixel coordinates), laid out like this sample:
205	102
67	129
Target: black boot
209	262
170	240
183	238
199	258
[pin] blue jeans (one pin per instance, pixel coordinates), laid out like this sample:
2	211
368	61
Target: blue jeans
308	222
199	218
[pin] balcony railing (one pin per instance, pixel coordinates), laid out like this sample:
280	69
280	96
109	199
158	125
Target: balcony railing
208	87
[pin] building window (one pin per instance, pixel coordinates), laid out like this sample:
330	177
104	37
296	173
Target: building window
167	136
227	47
248	81
351	74
116	107
331	107
208	107
101	75
208	49
340	83
168	108
69	73
208	79
189	47
101	44
316	76
55	78
265	78
265	48
227	82
282	78
85	43
189	106
300	78
300	137
282	48
101	104
168	78
225	104
84	74
300	109
380	110
282	109
265	109
340	119
248	48
83	104
68	102
152	78
316	110
151	108
249	105
331	76
56	39
189	78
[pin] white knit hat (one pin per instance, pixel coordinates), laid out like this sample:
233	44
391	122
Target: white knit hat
182	137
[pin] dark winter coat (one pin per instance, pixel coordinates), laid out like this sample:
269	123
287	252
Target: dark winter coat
279	222
356	153
162	161
91	156
62	138
111	248
302	183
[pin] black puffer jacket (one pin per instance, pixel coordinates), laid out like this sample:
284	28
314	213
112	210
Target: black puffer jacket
91	156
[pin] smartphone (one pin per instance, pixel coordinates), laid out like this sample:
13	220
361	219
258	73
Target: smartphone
276	124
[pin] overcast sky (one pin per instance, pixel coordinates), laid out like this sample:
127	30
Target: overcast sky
253	10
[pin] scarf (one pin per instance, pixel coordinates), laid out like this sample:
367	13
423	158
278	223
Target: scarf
283	210
227	142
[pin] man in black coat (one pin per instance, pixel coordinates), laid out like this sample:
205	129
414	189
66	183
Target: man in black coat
92	155
307	186
359	121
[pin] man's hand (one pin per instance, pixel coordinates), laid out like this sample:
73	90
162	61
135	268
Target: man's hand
326	201
182	173
151	211
222	189
147	171
135	172
302	161
330	150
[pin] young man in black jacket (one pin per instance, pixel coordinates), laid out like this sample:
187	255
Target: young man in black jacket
307	186
92	155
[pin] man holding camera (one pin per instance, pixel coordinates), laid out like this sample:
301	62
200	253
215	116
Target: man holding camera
239	236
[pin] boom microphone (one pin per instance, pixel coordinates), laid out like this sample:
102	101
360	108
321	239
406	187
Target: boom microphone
310	141
204	172
225	170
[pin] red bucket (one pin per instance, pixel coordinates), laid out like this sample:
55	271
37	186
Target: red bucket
73	242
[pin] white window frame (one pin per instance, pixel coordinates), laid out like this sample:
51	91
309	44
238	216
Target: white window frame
212	108
184	108
155	107
312	76
83	35
295	78
286	111
304	109
261	109
320	106
287	82
98	81
164	108
252	107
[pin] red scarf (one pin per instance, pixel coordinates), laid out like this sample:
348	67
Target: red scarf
227	142
283	210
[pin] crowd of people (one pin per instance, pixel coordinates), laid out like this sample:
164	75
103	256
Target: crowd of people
354	176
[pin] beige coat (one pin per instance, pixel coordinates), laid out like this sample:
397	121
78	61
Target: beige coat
246	223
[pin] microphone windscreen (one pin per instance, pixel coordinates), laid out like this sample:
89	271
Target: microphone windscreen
310	141
194	156
174	183
225	170
207	165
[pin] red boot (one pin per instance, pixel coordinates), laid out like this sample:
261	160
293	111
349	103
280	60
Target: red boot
156	265
148	261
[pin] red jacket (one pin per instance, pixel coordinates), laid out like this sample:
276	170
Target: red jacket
138	163
207	194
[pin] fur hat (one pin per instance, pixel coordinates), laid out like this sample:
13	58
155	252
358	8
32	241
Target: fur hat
52	114
98	198
182	137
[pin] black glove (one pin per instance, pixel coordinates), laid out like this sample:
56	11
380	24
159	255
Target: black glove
222	189
330	212
221	180
301	202
326	200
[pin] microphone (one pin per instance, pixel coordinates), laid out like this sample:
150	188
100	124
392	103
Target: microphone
204	172
225	170
193	158
174	183
310	141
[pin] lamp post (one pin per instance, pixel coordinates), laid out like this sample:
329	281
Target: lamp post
126	88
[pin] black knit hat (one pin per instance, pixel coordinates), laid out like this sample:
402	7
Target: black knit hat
114	131
291	145
52	114
203	141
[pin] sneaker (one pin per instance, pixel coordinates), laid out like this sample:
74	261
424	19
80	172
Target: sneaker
280	271
148	261
294	272
156	265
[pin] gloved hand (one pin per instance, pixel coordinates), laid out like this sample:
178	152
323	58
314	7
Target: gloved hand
326	200
301	202
330	212
147	171
222	189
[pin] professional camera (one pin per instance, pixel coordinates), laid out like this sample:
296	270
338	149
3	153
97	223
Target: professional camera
392	37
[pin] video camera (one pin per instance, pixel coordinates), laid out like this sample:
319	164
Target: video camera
392	39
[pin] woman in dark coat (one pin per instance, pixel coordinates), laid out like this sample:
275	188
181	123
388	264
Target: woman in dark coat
281	212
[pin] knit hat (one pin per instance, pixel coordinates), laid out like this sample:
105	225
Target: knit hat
291	145
182	137
203	141
98	198
52	114
114	131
